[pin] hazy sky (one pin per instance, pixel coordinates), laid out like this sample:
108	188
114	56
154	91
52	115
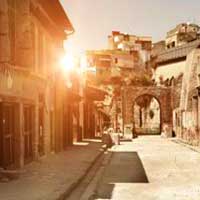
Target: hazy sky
94	20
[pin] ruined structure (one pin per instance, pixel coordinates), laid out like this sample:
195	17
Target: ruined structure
178	67
130	94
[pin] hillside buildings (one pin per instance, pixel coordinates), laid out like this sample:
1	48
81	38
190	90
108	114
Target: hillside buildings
126	58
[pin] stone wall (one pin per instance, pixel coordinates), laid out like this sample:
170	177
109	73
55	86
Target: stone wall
188	111
161	94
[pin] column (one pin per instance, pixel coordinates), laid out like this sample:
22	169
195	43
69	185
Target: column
21	135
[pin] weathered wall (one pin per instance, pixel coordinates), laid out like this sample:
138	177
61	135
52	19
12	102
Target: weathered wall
187	114
25	75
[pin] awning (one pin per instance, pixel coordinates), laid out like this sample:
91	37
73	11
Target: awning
95	94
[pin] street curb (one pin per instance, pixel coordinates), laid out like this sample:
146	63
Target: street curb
103	168
73	186
178	141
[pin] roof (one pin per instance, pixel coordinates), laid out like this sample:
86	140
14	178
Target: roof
57	14
177	52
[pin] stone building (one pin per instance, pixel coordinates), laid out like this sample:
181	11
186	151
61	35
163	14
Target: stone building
125	54
182	34
126	42
31	95
178	68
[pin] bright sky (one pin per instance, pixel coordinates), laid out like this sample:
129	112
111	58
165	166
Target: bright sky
94	20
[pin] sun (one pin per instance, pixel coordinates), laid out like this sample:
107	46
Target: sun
67	62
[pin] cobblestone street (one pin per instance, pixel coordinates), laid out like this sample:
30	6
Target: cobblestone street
151	168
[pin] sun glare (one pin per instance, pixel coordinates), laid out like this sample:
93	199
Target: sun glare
67	62
83	63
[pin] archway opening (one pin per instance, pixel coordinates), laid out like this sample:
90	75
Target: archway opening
146	115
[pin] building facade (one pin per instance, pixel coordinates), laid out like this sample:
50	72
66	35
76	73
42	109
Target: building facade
182	34
31	102
178	67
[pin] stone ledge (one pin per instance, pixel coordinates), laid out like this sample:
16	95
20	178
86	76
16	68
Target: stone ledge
8	175
185	144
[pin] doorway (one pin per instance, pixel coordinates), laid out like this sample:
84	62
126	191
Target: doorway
8	120
147	115
28	133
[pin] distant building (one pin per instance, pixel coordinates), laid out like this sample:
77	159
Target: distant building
182	34
126	42
139	47
126	55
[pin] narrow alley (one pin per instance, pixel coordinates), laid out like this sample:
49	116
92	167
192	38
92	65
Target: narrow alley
99	100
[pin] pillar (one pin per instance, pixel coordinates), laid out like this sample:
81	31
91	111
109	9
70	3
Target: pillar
36	130
21	135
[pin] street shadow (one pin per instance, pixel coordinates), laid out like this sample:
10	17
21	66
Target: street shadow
124	167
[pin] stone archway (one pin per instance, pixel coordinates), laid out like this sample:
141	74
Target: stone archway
147	115
162	94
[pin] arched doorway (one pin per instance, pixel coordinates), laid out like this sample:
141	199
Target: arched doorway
147	115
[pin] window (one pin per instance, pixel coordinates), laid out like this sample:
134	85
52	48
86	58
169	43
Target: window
28	132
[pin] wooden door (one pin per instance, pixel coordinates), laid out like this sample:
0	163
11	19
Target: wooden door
7	123
28	133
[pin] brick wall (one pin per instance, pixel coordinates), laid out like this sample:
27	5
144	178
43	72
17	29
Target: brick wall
162	94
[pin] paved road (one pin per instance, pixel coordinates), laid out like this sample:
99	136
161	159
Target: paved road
151	168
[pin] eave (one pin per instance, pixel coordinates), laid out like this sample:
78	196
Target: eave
57	14
51	17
